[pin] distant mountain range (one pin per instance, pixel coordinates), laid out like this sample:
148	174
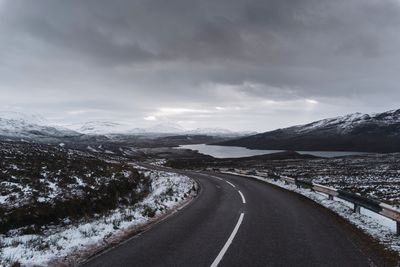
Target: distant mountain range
109	128
17	126
379	132
24	126
115	128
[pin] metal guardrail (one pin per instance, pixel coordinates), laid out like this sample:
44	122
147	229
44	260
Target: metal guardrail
357	200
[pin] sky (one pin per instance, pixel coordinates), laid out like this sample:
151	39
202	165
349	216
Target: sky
238	64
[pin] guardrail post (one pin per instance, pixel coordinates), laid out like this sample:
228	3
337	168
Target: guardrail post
356	208
296	183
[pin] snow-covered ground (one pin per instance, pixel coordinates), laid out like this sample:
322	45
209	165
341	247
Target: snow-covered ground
159	162
379	227
32	175
61	243
372	175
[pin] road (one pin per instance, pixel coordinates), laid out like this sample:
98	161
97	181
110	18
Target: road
236	221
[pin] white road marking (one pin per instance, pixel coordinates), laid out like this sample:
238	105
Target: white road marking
243	199
228	242
230	184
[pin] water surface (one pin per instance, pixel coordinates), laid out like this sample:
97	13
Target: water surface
239	152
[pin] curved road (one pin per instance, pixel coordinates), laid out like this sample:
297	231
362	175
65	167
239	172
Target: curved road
236	221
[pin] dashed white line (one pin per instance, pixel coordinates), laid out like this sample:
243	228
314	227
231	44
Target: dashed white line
234	186
228	242
230	184
243	199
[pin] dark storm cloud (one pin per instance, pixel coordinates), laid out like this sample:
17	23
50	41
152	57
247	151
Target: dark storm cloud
144	55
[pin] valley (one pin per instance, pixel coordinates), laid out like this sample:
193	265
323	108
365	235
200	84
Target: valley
59	181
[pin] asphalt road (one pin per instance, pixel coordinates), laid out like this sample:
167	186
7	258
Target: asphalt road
261	226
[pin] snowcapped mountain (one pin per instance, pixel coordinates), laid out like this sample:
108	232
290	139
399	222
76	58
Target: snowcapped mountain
350	123
14	125
110	128
99	127
217	132
28	126
165	128
19	116
114	128
378	132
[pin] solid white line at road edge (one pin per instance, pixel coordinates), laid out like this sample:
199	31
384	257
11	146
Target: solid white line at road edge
243	199
228	242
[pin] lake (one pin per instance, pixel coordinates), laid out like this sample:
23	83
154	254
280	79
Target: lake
239	152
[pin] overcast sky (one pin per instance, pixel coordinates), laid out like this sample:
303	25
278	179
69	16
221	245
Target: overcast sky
237	64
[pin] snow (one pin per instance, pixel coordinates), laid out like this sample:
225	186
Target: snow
382	229
348	122
159	162
99	127
19	116
216	131
219	132
109	128
21	125
92	149
79	181
165	128
371	175
14	124
3	200
168	191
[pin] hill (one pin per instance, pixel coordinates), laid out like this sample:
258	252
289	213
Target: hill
379	132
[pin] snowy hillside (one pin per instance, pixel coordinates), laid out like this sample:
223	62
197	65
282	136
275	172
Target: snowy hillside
346	124
108	128
99	127
19	125
14	125
33	118
379	132
56	202
218	132
165	128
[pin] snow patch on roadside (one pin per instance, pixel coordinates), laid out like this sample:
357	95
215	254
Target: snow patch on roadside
58	242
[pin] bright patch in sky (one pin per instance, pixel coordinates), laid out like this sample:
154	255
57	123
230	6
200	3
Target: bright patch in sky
150	118
312	101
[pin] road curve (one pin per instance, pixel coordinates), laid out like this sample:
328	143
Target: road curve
236	221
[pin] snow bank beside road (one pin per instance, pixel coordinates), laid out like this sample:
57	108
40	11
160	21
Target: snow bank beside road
57	243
